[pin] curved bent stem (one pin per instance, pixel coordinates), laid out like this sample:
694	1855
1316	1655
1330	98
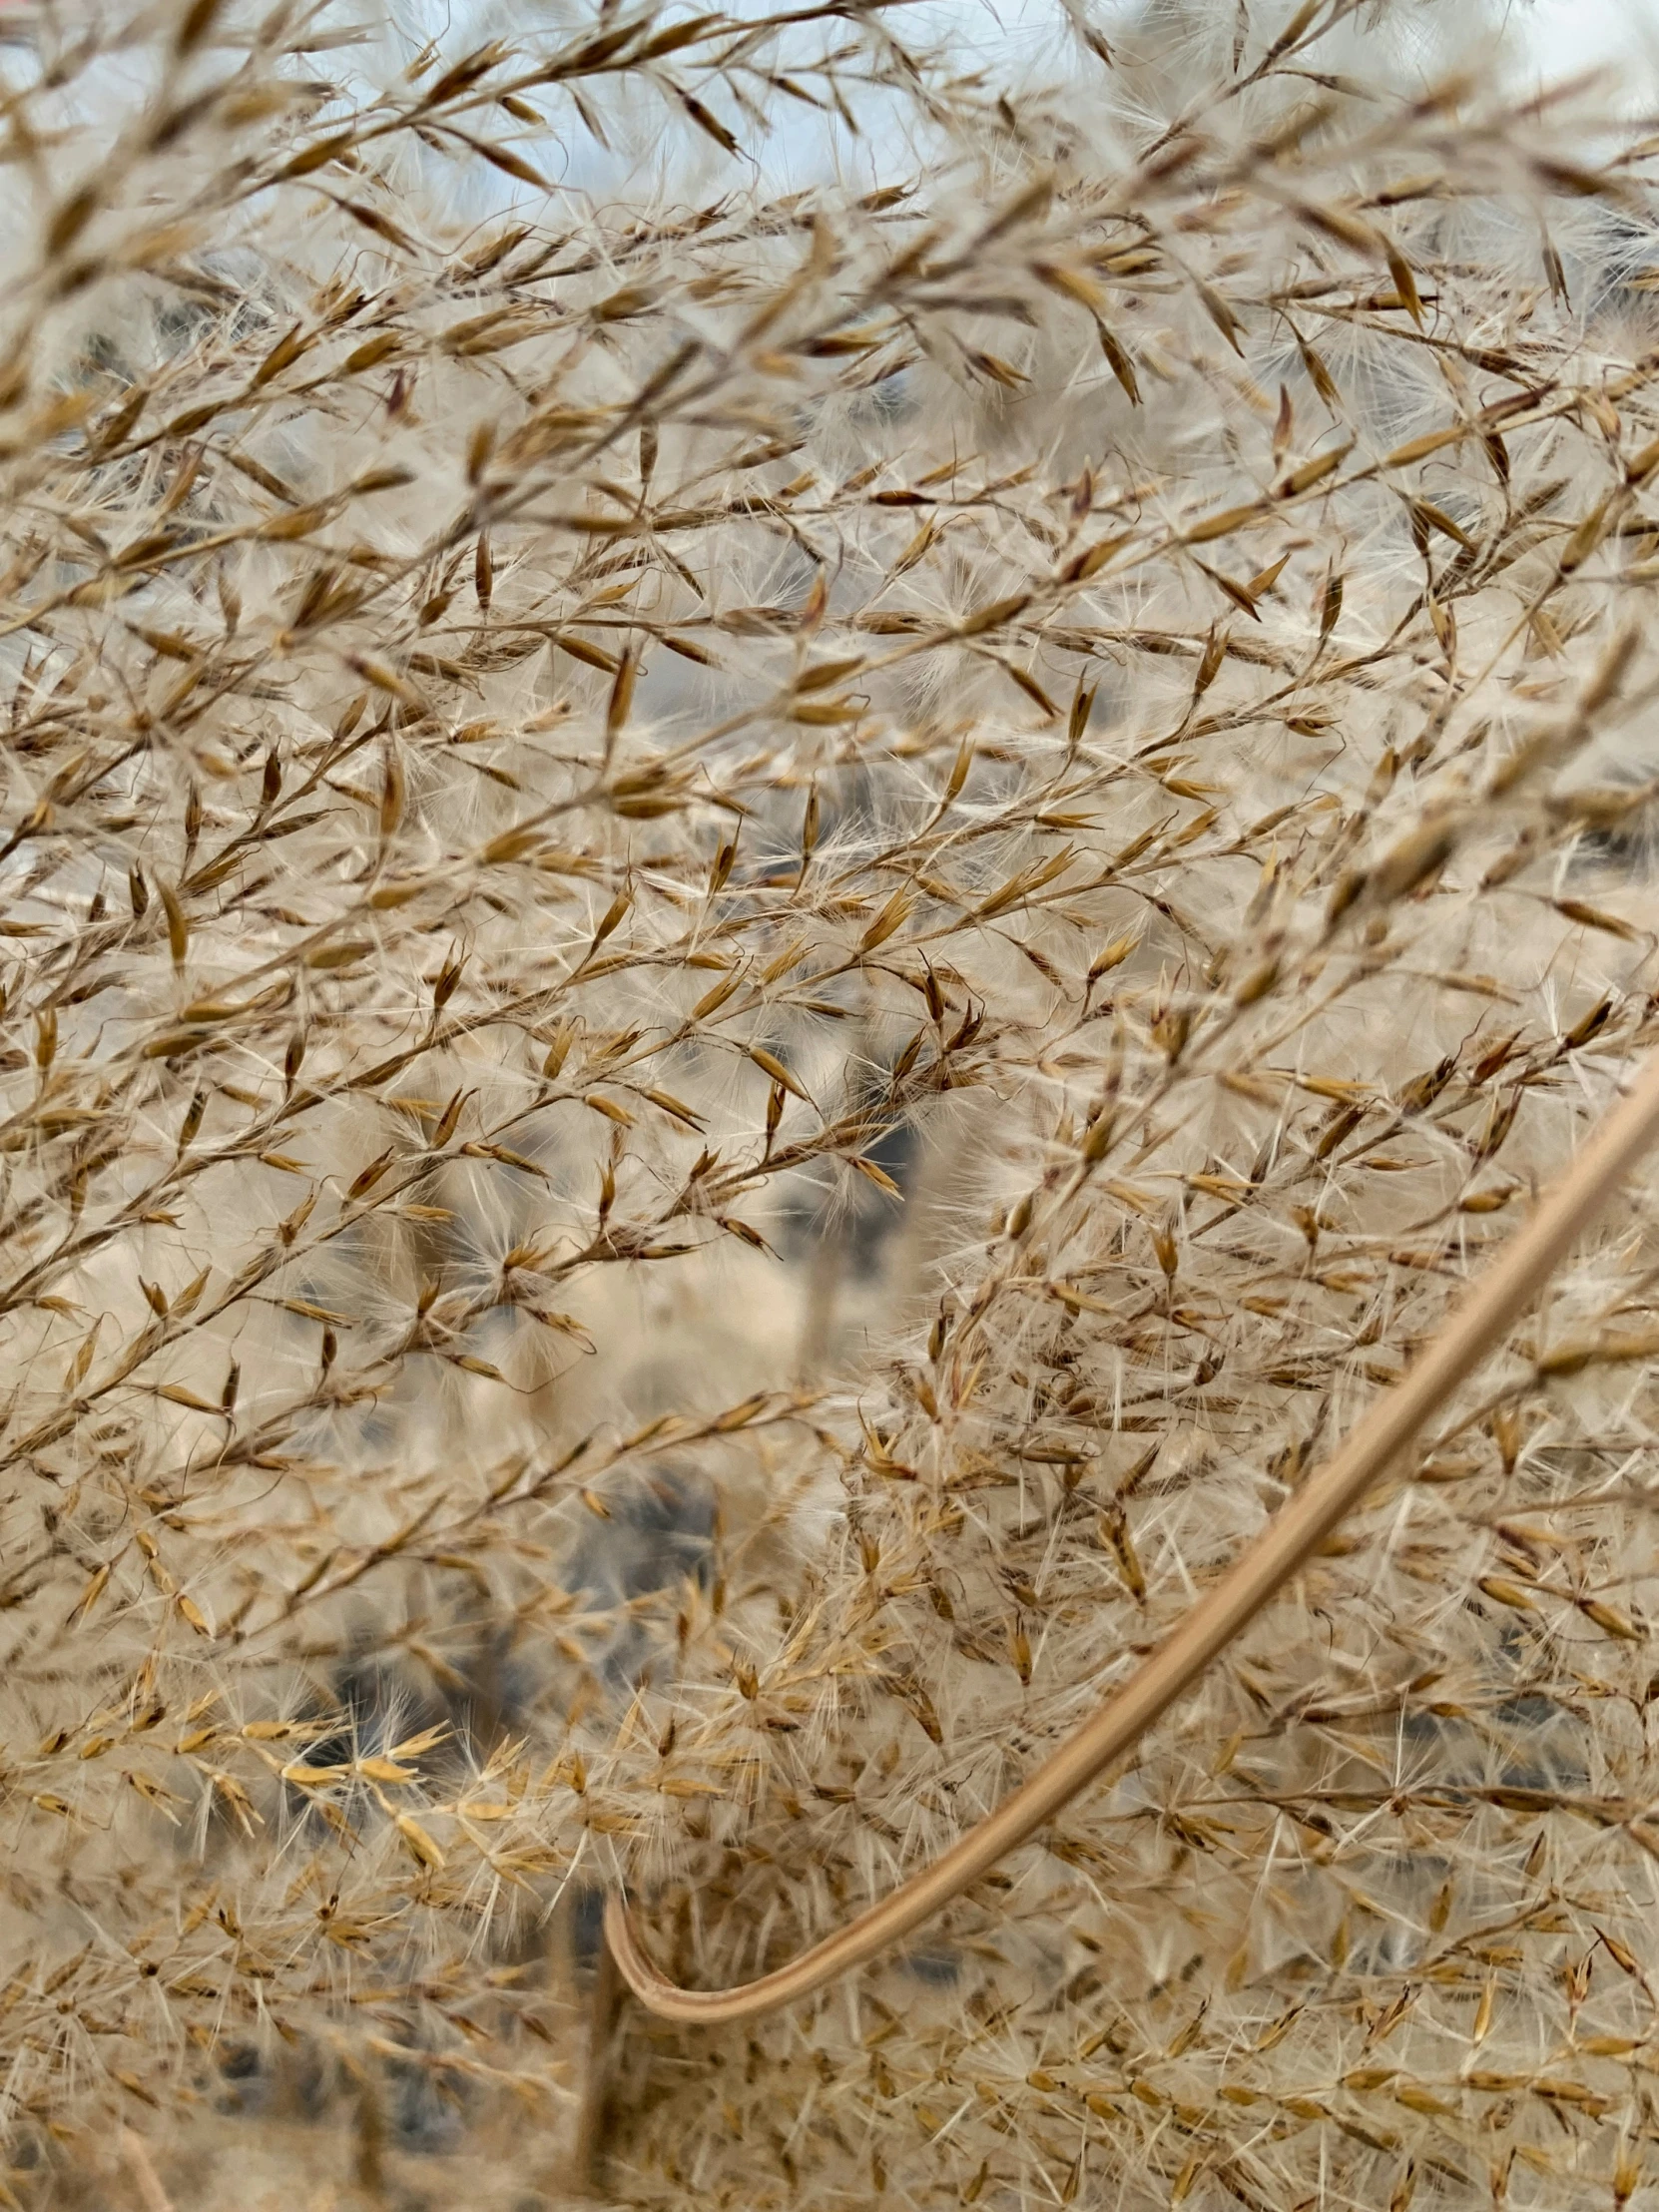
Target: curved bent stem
1286	1542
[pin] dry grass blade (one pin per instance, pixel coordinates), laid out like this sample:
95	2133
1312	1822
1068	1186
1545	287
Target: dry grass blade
1286	1543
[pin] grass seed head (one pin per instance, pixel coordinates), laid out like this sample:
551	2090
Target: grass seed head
761	945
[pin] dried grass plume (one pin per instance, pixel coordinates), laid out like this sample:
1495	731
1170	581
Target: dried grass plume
807	822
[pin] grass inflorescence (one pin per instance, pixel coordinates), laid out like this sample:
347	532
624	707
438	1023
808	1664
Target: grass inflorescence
805	830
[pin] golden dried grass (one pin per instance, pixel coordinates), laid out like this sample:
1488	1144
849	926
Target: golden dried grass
550	760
